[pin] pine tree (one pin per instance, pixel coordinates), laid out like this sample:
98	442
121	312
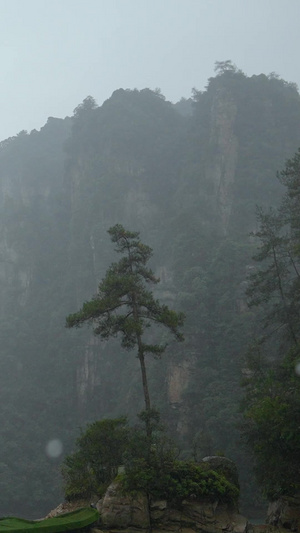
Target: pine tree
124	307
276	283
272	401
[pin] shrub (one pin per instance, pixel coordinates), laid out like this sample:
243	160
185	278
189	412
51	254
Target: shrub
94	464
176	481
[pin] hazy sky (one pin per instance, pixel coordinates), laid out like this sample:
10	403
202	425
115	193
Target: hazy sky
54	53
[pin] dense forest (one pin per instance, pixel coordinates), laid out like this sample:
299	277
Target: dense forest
188	177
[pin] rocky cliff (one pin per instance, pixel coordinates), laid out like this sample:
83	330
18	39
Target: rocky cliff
189	183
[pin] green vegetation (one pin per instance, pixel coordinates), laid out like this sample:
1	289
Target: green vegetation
271	428
99	453
180	481
272	403
188	178
124	307
156	471
176	481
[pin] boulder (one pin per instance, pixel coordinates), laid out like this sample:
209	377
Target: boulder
285	513
194	516
120	511
127	513
67	507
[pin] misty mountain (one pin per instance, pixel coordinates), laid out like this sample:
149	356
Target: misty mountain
188	177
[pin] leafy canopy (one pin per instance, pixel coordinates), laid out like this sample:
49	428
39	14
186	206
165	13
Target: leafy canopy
123	305
271	425
272	401
94	463
160	474
110	443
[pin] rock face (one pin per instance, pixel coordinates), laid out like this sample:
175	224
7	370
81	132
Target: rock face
285	513
119	511
223	144
197	516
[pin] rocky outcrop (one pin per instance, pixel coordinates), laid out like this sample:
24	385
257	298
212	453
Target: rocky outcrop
135	512
223	146
285	513
119	512
122	512
178	379
195	516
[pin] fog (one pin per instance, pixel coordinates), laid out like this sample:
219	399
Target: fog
55	53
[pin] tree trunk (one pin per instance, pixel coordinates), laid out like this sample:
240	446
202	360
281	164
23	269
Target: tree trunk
145	383
141	357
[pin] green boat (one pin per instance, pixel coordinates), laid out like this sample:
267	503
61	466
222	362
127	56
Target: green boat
74	520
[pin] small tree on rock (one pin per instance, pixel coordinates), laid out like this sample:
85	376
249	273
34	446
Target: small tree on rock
124	307
94	464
